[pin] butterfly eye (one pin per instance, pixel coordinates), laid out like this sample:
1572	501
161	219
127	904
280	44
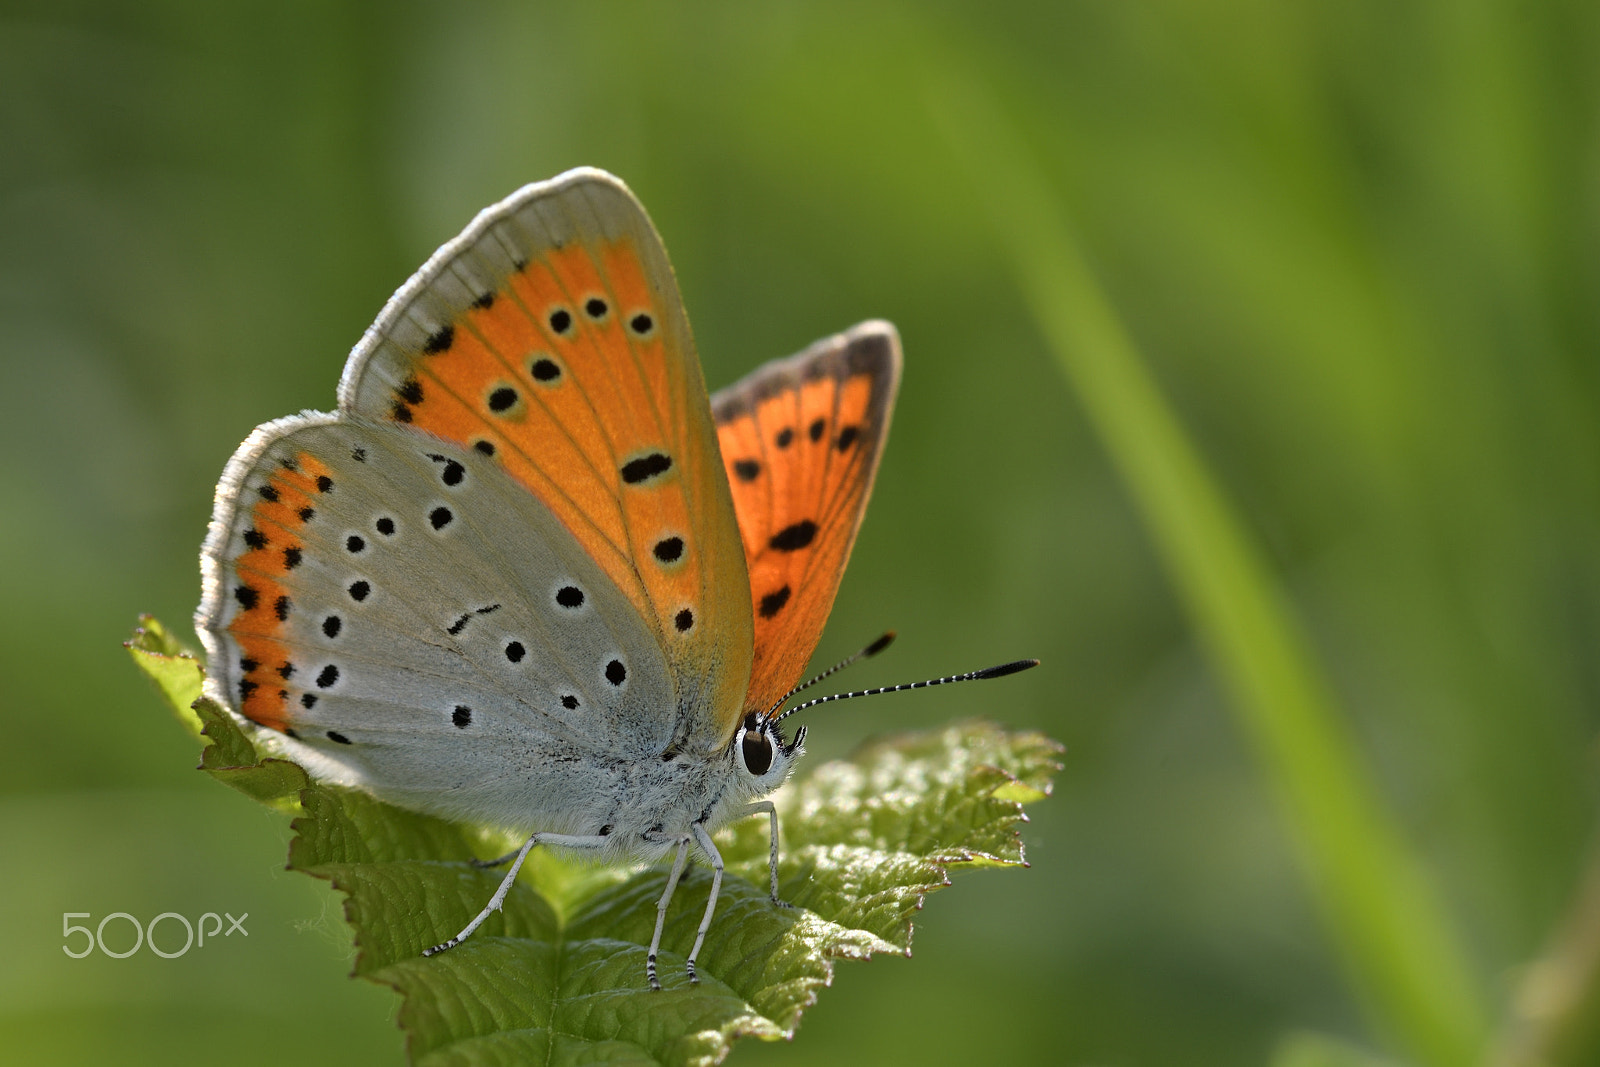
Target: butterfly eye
756	750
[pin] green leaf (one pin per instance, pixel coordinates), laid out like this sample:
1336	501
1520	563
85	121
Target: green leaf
230	757
173	668
558	976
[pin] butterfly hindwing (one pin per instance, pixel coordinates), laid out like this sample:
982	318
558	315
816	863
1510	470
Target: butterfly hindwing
361	598
800	440
550	339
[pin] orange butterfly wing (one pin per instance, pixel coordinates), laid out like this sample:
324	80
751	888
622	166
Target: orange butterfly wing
551	336
800	439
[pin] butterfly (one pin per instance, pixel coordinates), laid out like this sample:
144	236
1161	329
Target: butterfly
528	574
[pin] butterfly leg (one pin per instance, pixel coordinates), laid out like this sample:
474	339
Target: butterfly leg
715	857
661	912
567	840
771	811
484	865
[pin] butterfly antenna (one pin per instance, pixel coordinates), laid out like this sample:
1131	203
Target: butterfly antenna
866	653
971	676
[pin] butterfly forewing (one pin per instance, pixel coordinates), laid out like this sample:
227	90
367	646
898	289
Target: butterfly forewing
800	439
549	339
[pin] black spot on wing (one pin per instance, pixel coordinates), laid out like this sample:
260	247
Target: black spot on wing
453	472
466	617
440	341
773	602
794	537
646	467
410	391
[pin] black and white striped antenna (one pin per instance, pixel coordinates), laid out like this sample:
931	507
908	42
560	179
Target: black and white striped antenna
999	671
873	649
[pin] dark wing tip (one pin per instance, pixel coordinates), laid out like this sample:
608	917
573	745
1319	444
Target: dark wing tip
871	347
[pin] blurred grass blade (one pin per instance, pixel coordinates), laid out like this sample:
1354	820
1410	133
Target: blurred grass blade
1555	1010
1306	1049
1381	912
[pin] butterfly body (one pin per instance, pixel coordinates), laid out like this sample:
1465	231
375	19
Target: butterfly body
528	574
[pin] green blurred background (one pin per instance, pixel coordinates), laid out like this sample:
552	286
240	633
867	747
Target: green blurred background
1353	241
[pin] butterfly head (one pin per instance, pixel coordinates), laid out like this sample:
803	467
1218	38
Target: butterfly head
760	751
